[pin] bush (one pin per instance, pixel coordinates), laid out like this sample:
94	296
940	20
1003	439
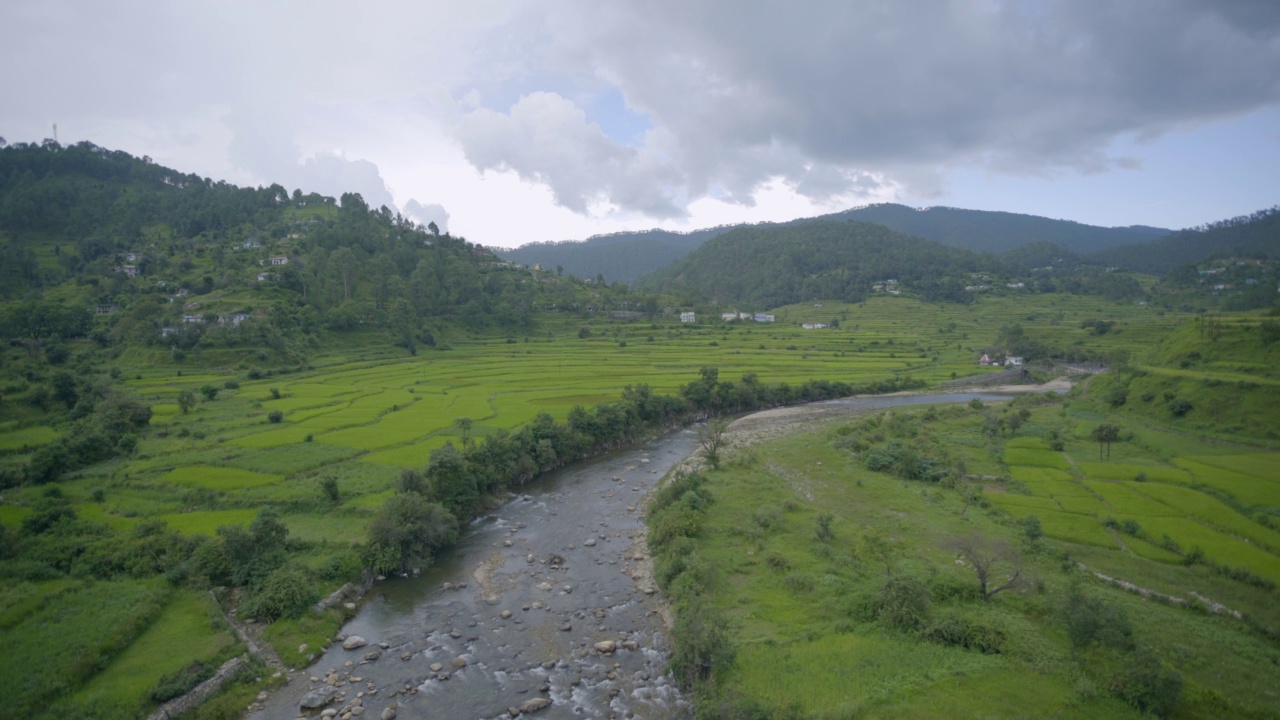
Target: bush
1180	407
702	644
275	416
286	591
961	632
179	683
231	385
1090	620
209	391
902	603
1148	685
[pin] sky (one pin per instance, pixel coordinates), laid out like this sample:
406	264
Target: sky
514	121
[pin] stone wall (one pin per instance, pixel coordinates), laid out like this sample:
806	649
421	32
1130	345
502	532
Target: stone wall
199	693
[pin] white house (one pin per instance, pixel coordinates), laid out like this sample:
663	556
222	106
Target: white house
764	317
132	257
192	319
251	244
281	260
1012	361
129	270
262	276
687	317
814	326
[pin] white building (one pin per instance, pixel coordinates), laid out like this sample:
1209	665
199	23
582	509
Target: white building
1012	361
687	317
281	260
764	317
814	326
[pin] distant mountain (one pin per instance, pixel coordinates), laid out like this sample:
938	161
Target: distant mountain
997	232
620	257
1256	235
769	265
628	256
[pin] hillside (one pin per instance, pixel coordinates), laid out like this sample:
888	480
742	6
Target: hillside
1252	236
619	257
769	265
626	257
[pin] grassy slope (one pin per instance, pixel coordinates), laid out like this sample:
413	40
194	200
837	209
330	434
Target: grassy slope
798	646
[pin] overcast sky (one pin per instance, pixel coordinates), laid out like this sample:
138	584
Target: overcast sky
513	121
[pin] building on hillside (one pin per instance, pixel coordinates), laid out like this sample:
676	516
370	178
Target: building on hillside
104	309
1013	361
814	326
234	319
764	317
133	257
129	270
687	317
263	276
168	331
251	244
280	260
182	292
192	319
1016	285
985	360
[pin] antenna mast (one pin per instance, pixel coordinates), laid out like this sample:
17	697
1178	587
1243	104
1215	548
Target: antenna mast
55	132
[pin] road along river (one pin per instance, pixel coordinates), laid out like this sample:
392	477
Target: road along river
546	606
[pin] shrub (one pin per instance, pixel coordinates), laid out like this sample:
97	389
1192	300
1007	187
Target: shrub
1089	620
231	385
902	603
1031	528
962	632
1148	685
275	416
209	391
275	393
329	485
1180	407
286	591
181	682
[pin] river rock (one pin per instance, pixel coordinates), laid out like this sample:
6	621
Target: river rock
606	646
436	667
353	642
534	704
589	542
389	713
459	662
328	713
373	655
506	614
319	698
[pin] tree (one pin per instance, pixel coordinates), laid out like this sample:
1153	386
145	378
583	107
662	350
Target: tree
987	557
329	484
1104	435
464	425
408	530
209	391
711	439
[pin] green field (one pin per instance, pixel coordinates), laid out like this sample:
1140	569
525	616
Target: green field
800	613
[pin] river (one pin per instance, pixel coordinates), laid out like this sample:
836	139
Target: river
513	613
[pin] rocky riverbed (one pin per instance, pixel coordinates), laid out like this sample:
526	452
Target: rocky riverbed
546	606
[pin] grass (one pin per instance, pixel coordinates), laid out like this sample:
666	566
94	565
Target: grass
1249	488
30	437
70	637
219	478
1034	457
207	522
187	631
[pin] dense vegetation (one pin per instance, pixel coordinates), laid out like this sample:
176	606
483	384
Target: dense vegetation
619	257
1255	236
766	266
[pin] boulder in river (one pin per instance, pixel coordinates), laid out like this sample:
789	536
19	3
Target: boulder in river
319	698
534	704
353	642
606	646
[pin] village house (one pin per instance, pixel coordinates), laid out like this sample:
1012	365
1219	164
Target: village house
814	326
132	257
182	292
192	319
168	331
233	320
103	309
986	360
129	270
764	317
280	260
262	276
687	317
1012	361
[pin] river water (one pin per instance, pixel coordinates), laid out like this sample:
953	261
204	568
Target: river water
515	610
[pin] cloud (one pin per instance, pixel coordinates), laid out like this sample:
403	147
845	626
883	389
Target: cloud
840	97
426	214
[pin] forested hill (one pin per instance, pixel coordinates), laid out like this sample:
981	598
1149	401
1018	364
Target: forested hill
770	265
997	232
171	259
619	257
628	256
1252	236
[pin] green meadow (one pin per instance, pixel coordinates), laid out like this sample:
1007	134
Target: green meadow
841	593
